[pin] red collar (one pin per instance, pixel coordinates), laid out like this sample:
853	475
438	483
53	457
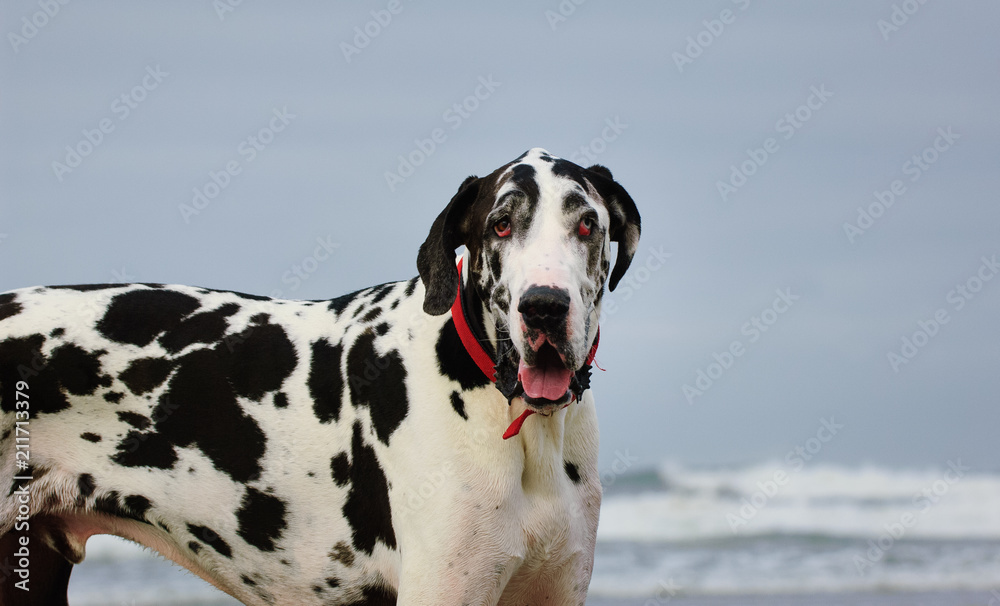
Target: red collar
483	359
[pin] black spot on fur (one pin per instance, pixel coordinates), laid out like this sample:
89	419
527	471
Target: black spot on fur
8	306
573	202
261	519
248	581
134	419
572	472
411	286
57	332
382	291
342	553
340	469
565	168
138	505
523	176
193	545
78	371
459	405
206	327
280	400
339	304
146	374
259	361
378	382
332	582
241	295
247	296
501	297
134	507
150	449
455	363
367	505
114	396
325	381
21	359
382	329
85	484
495	265
138	316
372	315
223	431
376	596
211	538
90	437
86	287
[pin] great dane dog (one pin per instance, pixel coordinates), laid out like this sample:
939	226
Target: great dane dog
347	451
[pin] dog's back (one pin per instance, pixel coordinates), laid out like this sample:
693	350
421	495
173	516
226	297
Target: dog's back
207	425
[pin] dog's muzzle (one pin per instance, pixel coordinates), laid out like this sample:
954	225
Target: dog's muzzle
542	369
545	309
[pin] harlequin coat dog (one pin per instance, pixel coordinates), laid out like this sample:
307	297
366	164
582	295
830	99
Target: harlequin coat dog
349	451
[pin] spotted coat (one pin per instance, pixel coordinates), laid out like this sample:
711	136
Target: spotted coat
344	451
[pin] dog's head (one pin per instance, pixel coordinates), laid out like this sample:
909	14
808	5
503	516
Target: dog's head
538	232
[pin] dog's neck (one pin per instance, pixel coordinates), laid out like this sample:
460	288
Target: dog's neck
486	337
478	314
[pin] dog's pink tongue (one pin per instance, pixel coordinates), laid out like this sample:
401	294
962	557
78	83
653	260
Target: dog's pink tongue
548	383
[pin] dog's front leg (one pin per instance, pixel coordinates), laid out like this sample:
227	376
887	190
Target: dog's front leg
458	547
478	580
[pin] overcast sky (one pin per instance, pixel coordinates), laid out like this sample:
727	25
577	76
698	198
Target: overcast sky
749	133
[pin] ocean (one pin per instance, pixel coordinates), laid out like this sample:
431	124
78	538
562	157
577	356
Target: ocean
774	533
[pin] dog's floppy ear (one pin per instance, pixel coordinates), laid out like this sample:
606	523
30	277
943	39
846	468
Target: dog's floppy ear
625	224
436	259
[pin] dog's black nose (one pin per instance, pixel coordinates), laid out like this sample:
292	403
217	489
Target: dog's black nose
544	308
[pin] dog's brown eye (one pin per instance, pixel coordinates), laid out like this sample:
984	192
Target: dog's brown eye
586	226
502	227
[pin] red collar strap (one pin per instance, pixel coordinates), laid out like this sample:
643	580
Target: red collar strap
469	340
483	359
